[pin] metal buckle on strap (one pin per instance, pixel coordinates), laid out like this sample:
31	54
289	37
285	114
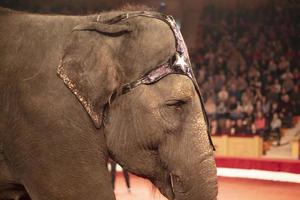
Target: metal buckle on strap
126	88
123	16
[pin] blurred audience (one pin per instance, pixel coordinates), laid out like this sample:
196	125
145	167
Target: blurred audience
248	69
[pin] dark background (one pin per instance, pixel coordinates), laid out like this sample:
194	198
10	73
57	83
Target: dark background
68	6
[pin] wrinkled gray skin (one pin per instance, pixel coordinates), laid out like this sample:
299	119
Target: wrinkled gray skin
51	148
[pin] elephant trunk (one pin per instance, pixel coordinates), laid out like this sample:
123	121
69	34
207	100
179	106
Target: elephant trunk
191	166
197	181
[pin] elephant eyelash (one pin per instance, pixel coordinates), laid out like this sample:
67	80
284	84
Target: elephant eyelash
176	103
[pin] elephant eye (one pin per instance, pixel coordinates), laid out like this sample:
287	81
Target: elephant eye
176	104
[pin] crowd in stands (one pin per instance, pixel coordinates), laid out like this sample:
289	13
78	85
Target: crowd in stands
247	66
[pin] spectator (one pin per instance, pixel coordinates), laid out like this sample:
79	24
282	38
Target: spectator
295	100
261	125
223	95
227	128
222	111
232	104
286	110
240	127
214	127
211	108
275	127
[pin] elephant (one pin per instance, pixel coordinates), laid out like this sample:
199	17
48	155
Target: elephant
79	90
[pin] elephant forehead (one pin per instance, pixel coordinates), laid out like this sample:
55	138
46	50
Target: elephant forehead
174	86
178	86
181	85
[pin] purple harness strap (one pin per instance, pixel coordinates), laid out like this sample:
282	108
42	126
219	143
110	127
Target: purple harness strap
178	64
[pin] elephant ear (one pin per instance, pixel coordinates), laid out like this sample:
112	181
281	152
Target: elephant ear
89	67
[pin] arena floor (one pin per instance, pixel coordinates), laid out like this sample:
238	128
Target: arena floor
229	189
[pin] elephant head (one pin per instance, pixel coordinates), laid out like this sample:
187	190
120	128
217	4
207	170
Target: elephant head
132	74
